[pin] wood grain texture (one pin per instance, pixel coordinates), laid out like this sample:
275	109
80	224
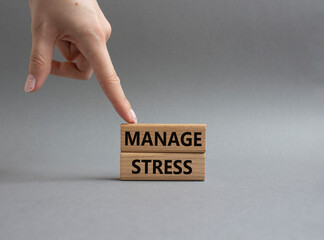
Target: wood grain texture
176	138
162	166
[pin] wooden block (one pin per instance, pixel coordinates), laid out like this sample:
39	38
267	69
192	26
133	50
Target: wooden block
163	138
162	166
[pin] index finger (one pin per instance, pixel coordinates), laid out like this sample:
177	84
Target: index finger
109	81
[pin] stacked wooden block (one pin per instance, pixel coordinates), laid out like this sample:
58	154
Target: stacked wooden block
163	152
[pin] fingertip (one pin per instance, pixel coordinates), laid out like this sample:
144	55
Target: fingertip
127	113
133	116
34	82
30	84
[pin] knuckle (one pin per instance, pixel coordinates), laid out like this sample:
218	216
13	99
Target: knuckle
40	28
108	30
37	60
86	75
96	33
124	100
113	78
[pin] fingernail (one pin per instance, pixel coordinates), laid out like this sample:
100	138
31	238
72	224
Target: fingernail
133	116
30	83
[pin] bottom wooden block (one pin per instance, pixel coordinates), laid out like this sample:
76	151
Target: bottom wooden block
162	166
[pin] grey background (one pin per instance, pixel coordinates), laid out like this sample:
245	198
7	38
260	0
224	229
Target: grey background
252	70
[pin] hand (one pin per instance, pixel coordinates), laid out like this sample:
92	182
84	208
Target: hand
79	30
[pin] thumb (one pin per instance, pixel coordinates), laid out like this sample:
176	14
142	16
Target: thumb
40	61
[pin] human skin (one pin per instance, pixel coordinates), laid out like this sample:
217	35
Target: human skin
79	30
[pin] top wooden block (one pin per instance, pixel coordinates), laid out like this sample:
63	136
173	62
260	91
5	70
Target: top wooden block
163	138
